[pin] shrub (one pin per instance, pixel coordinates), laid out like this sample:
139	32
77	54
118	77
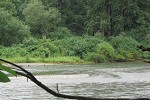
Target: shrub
125	46
14	51
41	48
146	40
60	33
77	46
103	52
146	55
106	49
119	57
95	57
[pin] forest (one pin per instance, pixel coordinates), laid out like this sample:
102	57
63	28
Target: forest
74	31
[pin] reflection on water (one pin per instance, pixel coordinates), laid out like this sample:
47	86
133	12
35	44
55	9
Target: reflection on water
119	80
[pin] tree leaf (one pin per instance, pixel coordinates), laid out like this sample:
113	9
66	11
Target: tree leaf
7	69
4	77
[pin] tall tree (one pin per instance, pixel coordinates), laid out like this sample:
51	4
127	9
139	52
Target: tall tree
112	17
40	20
20	5
73	13
12	30
98	17
8	5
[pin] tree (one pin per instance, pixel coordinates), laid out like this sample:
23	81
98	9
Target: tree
19	6
99	17
112	17
12	30
40	20
73	13
8	5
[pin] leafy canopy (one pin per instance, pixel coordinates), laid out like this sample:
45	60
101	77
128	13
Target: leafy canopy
40	20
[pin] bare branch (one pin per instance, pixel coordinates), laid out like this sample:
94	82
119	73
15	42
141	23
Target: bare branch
57	88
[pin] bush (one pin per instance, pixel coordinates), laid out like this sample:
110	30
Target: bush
125	46
77	46
139	33
95	57
60	33
41	48
119	57
103	52
106	49
146	40
146	55
14	51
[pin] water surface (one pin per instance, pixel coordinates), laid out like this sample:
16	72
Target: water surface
111	80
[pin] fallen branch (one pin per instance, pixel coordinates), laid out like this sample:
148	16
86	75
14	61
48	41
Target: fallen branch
21	71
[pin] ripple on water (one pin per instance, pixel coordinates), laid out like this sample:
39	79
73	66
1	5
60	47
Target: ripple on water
97	82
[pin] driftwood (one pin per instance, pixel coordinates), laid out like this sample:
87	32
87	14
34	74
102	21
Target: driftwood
21	71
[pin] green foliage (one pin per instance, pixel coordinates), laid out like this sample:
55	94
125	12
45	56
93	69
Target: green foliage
106	49
119	57
60	33
73	13
3	76
7	69
95	57
125	46
40	48
111	17
66	59
12	30
146	43
40	20
146	55
104	52
146	40
31	47
78	46
63	59
14	51
8	6
76	28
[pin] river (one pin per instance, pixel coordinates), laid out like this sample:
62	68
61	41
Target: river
106	80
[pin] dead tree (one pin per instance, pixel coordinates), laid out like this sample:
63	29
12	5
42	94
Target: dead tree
21	71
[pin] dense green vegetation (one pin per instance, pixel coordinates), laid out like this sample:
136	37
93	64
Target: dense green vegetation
3	76
74	30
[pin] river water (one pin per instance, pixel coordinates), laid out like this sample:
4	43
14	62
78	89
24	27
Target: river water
111	80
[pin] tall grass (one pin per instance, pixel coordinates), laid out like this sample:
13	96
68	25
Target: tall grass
66	59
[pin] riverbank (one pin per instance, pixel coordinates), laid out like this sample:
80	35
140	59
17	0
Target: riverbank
60	60
52	60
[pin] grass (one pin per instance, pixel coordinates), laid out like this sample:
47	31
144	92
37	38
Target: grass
66	59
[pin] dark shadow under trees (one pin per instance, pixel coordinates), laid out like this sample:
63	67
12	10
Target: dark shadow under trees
143	48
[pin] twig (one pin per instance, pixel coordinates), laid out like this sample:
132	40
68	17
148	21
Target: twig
57	88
